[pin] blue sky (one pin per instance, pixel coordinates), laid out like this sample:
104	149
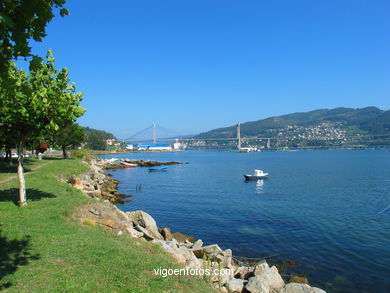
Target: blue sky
192	66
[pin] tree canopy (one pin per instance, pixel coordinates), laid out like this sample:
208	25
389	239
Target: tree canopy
22	21
36	105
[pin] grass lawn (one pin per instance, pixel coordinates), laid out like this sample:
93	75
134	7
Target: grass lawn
44	249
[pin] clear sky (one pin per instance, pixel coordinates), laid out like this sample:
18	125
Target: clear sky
195	65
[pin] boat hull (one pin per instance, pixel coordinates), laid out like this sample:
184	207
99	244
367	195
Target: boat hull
253	177
128	165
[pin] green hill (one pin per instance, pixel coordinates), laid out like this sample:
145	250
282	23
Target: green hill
369	120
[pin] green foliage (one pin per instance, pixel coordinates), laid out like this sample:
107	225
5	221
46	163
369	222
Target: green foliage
101	133
83	154
96	139
71	134
22	21
370	119
39	103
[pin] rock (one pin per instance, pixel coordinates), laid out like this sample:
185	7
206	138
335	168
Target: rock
146	221
223	289
134	233
164	244
190	259
197	245
226	258
211	251
146	234
265	278
235	285
298	279
180	237
244	272
257	285
88	188
224	278
260	268
95	193
104	214
300	288
166	233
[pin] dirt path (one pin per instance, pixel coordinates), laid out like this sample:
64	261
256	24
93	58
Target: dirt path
32	169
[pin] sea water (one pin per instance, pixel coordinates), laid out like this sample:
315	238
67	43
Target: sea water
323	214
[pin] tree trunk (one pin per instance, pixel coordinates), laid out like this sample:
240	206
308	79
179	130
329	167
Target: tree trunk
64	152
22	183
8	154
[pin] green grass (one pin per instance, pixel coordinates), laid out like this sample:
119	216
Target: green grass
44	249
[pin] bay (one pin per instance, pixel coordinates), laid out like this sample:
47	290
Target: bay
323	213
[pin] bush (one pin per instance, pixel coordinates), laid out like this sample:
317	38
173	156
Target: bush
84	154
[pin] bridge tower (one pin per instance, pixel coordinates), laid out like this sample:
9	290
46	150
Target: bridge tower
154	133
269	143
239	135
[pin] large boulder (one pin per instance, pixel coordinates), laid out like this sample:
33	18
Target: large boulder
104	214
300	288
244	272
298	279
265	278
212	252
134	233
235	285
142	219
166	233
190	259
197	245
181	238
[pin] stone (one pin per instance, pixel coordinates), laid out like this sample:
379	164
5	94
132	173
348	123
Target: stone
257	285
298	279
226	258
134	233
244	272
235	285
164	244
146	221
180	237
191	260
197	245
300	288
260	268
95	193
104	214
88	188
166	233
211	251
265	278
146	234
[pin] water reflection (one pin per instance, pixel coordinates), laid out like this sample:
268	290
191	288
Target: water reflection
259	186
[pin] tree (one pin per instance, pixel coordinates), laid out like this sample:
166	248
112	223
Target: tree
21	21
96	141
71	134
36	105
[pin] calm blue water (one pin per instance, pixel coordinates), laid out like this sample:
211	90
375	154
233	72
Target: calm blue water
319	208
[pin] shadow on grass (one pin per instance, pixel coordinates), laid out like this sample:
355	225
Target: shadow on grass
12	194
13	254
6	167
52	158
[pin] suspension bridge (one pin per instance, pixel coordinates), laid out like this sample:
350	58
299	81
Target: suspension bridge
149	134
156	133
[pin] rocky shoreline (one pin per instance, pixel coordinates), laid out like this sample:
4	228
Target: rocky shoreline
257	278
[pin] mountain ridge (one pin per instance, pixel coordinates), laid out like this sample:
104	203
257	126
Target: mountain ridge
367	120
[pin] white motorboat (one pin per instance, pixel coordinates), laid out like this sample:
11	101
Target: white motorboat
257	174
